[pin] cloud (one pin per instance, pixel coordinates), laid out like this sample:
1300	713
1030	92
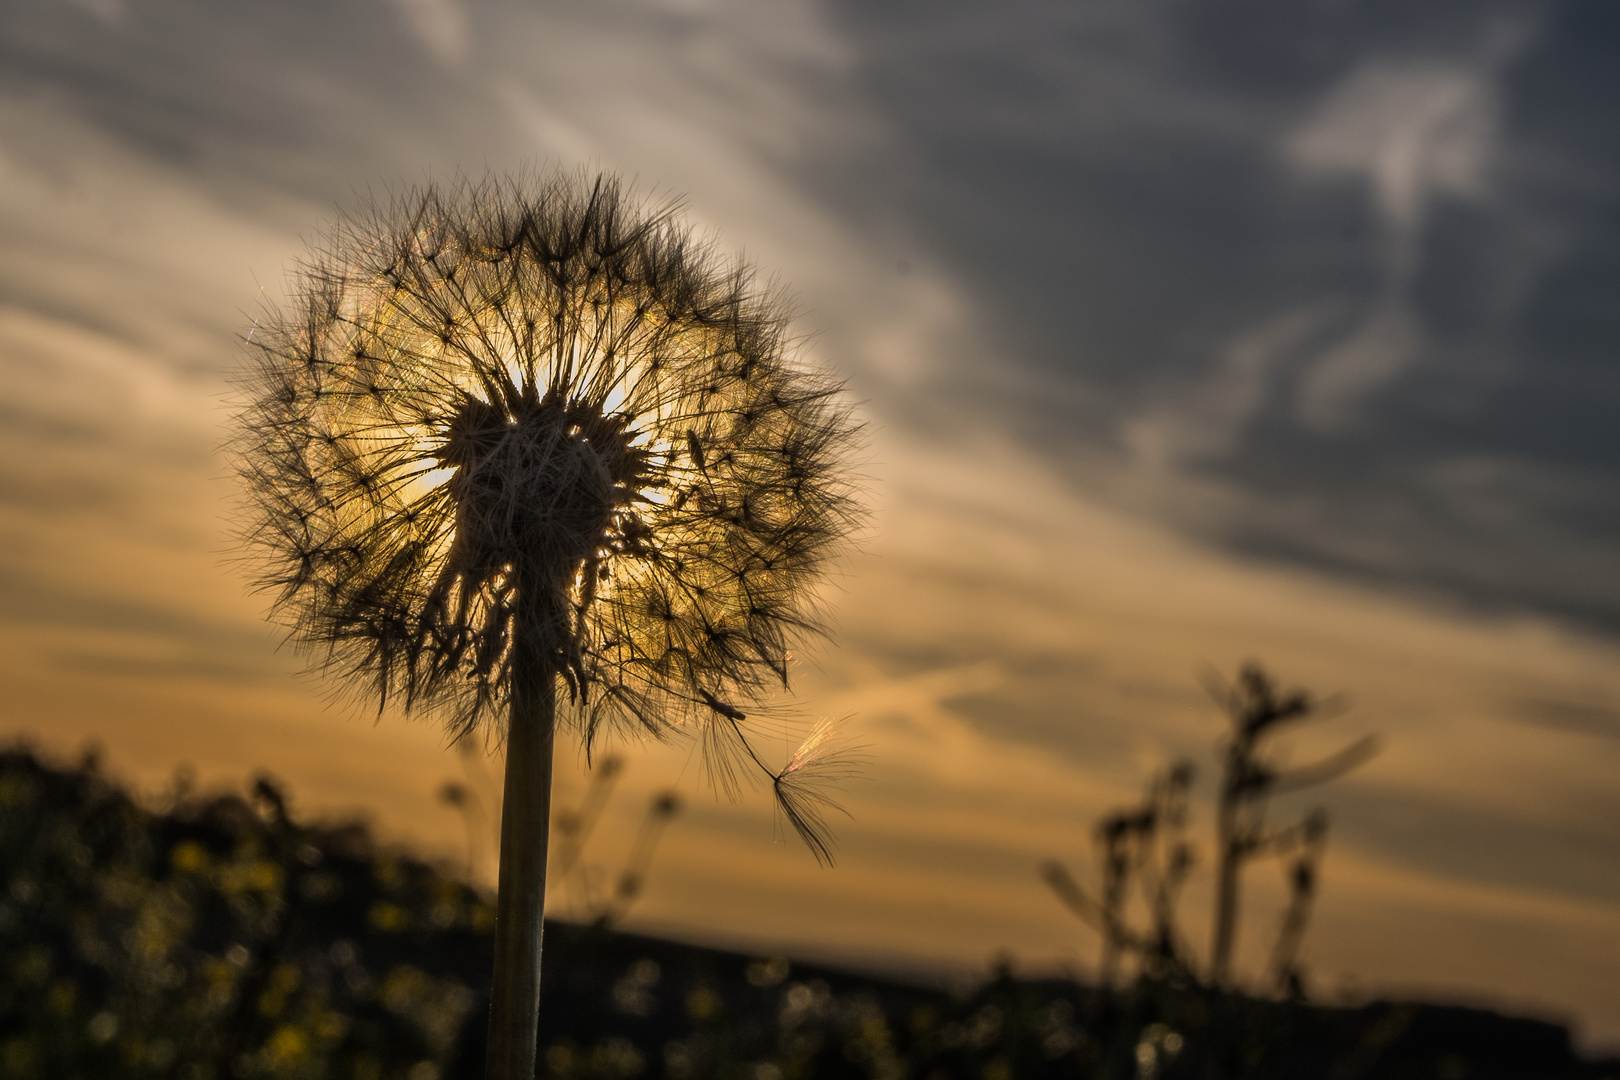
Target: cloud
561	140
441	26
108	11
1413	132
1209	419
1381	348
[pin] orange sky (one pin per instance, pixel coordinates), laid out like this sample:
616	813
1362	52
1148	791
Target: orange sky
1015	663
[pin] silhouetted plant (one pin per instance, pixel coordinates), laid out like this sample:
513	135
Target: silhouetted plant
511	434
1258	710
461	798
1286	975
574	826
604	909
1146	845
608	911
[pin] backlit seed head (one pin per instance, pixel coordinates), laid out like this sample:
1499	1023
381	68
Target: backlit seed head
518	427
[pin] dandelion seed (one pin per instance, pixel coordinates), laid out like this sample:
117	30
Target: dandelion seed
805	785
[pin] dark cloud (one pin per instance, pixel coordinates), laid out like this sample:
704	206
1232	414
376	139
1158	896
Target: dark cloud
27	600
1131	192
1476	844
1332	283
207	666
1579	717
315	100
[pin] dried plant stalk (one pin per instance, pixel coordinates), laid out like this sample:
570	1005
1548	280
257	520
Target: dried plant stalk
517	435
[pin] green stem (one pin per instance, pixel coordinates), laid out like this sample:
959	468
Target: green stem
514	1006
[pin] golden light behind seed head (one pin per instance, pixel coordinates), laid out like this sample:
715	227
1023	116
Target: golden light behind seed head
502	402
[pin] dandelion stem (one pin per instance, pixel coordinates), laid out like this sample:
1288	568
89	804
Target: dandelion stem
514	1008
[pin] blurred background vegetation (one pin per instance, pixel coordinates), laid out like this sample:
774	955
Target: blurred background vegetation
213	936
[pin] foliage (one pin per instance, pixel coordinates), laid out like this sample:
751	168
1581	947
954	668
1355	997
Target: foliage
219	938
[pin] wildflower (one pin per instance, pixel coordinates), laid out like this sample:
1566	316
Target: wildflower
510	434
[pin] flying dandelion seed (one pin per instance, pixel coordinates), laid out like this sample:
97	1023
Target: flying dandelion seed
801	785
512	435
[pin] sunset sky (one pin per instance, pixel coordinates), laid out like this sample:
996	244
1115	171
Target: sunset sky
1184	333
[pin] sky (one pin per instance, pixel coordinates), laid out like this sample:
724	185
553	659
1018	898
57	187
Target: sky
1184	334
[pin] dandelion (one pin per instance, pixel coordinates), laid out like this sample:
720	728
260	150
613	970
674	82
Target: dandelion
520	436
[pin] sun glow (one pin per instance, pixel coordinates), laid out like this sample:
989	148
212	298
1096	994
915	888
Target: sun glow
558	446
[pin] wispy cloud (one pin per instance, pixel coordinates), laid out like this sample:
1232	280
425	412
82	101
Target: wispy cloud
1413	132
441	26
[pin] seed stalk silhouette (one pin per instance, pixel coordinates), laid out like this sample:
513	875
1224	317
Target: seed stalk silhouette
1257	709
1146	844
524	454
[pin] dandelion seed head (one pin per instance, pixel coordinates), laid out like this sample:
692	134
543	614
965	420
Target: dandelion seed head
517	426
